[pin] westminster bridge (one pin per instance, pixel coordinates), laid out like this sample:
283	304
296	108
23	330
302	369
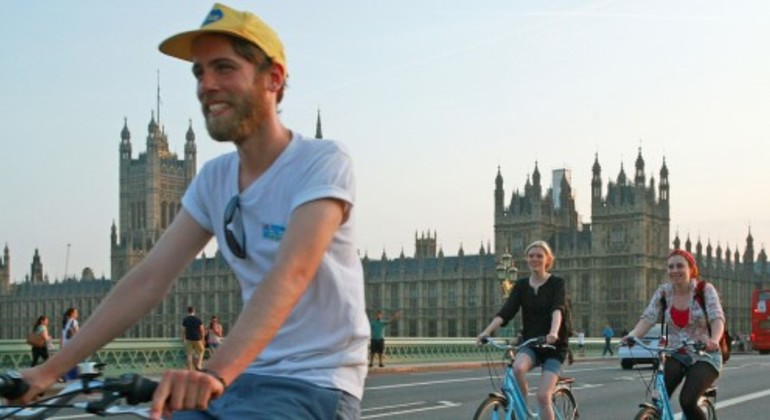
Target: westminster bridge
154	355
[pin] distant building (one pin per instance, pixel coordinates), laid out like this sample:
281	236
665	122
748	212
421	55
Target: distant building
438	295
612	265
151	187
5	272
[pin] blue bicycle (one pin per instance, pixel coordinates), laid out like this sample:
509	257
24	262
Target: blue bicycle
659	406
509	403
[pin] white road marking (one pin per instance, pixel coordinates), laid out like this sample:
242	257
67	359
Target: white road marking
733	401
586	386
413	384
744	398
441	405
448	381
388	407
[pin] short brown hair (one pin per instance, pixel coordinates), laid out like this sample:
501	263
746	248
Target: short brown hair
256	56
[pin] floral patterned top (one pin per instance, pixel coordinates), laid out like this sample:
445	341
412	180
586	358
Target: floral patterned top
696	328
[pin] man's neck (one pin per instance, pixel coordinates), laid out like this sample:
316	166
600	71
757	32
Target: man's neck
258	152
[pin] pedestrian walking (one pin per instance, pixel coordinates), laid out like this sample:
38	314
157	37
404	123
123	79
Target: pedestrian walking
193	339
41	340
608	333
581	343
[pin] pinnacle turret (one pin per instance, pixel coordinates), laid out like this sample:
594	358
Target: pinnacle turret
125	135
639	169
318	132
190	136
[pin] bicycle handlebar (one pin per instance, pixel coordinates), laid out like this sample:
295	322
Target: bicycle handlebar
697	346
12	385
532	342
134	388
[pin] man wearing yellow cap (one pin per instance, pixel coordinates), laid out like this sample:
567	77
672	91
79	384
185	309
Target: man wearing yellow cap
280	208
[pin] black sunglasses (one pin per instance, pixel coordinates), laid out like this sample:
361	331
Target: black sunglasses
237	247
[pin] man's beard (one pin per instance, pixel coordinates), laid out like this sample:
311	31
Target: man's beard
247	114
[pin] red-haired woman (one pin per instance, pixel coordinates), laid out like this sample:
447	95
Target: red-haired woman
686	319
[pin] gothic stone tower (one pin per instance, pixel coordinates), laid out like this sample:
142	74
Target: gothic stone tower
612	265
425	246
5	271
531	216
151	189
630	240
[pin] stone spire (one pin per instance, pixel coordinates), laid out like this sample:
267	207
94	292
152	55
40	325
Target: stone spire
318	132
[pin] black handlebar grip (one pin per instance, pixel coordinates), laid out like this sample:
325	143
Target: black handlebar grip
141	390
12	385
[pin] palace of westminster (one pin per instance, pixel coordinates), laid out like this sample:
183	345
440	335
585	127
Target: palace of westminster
612	265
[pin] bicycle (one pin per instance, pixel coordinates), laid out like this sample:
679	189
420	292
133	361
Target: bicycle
659	406
509	403
133	388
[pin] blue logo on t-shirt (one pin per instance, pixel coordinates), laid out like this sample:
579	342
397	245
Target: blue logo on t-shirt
273	232
213	16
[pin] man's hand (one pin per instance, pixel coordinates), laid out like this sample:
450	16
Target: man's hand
37	382
184	390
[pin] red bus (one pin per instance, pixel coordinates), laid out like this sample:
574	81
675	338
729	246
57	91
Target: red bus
760	320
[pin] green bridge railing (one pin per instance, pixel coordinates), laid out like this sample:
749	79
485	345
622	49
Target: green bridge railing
154	355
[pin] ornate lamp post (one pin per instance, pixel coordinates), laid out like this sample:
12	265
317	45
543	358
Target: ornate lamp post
506	273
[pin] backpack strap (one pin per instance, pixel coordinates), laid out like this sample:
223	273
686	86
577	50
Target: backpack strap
663	329
701	299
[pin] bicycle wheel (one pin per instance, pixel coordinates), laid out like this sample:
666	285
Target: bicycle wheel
564	405
708	408
493	408
647	413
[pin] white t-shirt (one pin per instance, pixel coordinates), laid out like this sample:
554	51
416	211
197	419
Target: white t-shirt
71	324
324	340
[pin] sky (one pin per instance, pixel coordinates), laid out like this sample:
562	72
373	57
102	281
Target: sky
430	97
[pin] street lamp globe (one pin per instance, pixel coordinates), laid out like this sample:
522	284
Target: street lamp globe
506	273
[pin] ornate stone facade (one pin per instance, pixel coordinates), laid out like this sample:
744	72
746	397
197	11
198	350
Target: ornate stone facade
612	265
438	296
151	189
5	271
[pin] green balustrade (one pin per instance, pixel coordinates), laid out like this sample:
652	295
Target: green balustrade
146	356
152	356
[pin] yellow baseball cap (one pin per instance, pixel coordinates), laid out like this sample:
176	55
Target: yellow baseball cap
224	20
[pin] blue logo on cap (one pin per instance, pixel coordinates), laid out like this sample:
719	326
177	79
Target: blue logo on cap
213	16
